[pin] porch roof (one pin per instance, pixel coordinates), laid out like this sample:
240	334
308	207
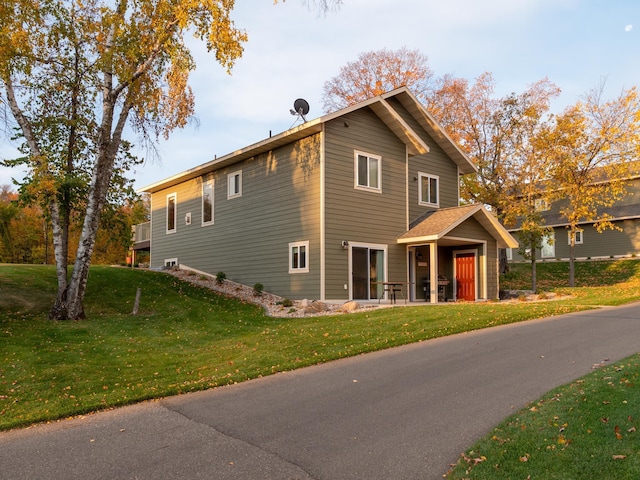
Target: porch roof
436	225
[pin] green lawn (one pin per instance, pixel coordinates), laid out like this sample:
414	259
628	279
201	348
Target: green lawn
585	430
189	338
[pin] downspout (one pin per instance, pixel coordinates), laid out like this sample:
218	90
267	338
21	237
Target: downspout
322	217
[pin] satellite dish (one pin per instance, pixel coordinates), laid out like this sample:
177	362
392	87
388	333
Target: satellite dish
301	108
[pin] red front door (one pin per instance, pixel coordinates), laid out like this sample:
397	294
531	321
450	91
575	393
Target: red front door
466	276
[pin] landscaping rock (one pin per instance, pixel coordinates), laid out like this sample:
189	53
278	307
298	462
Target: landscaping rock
351	306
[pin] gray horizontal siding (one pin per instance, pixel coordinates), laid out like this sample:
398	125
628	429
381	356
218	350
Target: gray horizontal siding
609	243
251	233
435	162
361	216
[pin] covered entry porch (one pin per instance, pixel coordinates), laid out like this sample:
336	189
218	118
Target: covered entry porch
453	254
448	270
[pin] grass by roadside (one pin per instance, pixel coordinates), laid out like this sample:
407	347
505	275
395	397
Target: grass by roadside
584	430
188	338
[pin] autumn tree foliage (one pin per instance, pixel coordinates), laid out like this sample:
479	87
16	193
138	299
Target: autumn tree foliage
73	74
593	147
22	230
496	132
377	72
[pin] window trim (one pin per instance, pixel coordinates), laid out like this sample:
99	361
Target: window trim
171	262
204	186
551	236
429	176
298	269
541	205
173	196
356	171
231	176
579	237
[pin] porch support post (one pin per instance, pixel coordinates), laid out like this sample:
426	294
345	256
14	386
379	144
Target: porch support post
433	272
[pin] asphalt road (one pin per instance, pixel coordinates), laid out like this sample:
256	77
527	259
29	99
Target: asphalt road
403	413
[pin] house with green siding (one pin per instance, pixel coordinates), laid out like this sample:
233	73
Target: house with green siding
623	241
336	209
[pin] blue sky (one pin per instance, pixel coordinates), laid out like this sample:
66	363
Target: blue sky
292	51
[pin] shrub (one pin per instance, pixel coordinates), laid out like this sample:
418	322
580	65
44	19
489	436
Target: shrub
258	289
285	302
220	277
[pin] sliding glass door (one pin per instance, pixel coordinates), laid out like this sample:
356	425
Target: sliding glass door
367	268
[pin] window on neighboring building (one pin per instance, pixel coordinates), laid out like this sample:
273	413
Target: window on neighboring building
541	205
429	190
579	237
172	205
170	262
207	203
548	246
298	257
368	171
234	184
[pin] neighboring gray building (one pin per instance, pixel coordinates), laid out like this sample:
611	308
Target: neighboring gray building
335	207
624	241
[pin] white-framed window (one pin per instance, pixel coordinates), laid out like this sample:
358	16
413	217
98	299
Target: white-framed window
368	171
170	262
172	212
541	205
579	237
429	190
299	257
509	254
234	184
207	203
548	249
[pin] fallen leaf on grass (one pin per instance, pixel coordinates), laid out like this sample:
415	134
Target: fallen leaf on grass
474	461
618	434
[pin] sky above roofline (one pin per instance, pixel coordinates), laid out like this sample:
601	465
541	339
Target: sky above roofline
292	51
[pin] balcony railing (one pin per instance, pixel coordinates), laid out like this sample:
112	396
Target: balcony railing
141	234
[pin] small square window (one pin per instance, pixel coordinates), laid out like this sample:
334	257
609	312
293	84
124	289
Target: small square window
298	257
234	184
368	172
541	205
579	237
429	190
170	262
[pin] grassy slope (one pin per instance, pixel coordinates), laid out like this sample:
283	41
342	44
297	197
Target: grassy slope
188	338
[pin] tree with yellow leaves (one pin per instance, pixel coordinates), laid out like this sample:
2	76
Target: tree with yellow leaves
74	73
593	146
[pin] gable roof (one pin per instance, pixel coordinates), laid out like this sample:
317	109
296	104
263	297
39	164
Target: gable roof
436	225
379	105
